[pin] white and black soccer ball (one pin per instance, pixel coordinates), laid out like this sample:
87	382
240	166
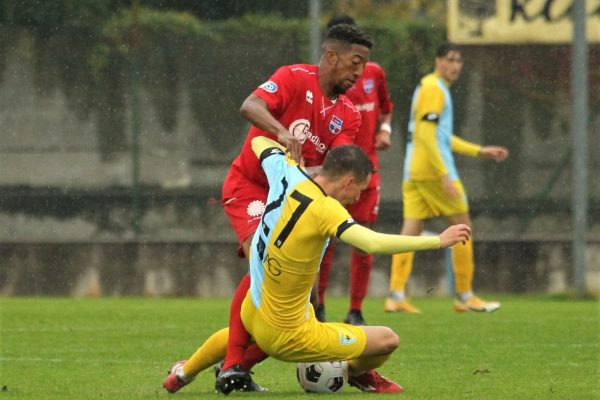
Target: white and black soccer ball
322	377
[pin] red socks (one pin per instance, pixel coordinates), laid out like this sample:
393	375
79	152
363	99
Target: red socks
360	269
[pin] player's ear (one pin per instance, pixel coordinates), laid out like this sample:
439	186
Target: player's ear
331	56
348	180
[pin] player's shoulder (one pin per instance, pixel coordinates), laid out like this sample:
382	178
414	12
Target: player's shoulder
431	83
429	79
331	208
348	105
307	70
373	68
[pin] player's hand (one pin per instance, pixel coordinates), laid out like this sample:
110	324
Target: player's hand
293	145
455	234
382	140
449	188
496	153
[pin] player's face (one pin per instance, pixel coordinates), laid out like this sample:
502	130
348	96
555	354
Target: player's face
449	66
349	67
352	190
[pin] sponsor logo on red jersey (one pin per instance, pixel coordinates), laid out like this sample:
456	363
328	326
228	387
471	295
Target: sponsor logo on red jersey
366	107
300	129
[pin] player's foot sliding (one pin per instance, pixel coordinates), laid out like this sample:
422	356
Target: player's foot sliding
236	378
175	379
372	381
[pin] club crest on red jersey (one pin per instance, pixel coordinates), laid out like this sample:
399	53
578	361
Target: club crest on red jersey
335	125
368	85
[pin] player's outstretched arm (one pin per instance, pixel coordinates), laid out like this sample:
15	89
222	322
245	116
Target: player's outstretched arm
255	110
381	243
373	242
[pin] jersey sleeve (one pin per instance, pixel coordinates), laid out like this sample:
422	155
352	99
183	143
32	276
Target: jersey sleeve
429	106
333	219
385	102
277	91
381	243
464	147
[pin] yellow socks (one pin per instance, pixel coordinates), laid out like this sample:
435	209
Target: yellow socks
401	267
211	352
462	258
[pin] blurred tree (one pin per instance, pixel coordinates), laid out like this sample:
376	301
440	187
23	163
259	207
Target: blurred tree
389	9
51	15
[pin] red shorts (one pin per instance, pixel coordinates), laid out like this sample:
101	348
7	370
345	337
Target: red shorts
366	209
244	202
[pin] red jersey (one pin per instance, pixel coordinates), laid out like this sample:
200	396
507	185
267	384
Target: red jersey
295	99
371	97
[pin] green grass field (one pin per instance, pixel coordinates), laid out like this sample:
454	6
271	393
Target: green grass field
533	348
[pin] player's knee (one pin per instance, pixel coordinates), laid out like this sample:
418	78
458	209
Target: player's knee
391	341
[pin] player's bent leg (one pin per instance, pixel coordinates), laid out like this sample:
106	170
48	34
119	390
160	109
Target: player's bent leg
381	343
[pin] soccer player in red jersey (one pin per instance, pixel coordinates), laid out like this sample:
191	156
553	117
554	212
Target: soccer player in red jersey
304	108
371	96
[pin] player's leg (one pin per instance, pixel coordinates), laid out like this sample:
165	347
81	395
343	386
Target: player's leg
377	344
323	281
238	337
381	342
209	353
415	211
365	212
401	268
361	264
464	267
244	206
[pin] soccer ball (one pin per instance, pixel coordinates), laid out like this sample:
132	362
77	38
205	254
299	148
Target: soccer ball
322	377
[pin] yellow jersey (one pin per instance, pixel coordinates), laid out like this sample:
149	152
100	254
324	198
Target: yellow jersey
289	243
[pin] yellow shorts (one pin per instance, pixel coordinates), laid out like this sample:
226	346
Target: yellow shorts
427	199
312	341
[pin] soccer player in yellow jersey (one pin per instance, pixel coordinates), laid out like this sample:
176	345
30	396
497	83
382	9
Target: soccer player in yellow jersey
300	217
432	187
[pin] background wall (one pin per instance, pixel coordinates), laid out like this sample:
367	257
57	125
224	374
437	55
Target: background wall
66	121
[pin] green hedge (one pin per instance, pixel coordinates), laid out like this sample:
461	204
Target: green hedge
218	63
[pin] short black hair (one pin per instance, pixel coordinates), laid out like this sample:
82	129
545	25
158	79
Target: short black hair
349	34
341	19
445	49
345	159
